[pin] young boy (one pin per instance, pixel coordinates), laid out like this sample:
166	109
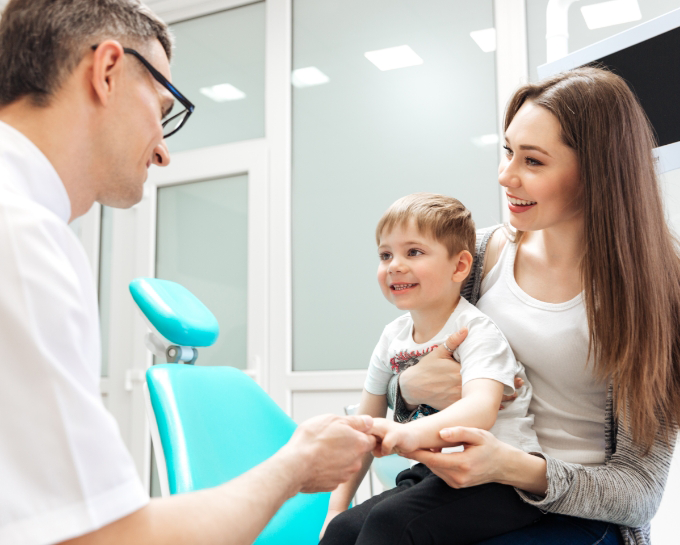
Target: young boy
426	244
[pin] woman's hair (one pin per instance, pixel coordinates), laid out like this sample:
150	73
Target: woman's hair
630	269
42	41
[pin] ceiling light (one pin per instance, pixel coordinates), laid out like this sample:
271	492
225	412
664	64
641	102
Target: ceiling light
486	39
611	13
307	77
485	140
223	92
394	57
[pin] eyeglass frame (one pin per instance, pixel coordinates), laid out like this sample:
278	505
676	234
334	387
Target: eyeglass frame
160	78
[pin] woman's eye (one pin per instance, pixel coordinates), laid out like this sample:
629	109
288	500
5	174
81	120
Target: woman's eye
508	151
414	252
533	162
384	256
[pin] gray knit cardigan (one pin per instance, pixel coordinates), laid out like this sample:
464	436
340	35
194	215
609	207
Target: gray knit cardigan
626	490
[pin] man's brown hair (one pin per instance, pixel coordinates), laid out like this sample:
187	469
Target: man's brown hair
443	218
42	41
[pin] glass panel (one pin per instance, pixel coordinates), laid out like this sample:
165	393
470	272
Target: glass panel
202	243
367	137
580	35
223	49
105	241
155	491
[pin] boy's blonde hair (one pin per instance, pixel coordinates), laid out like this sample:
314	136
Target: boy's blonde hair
443	218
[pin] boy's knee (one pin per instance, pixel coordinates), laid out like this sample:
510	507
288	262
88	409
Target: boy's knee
385	521
343	529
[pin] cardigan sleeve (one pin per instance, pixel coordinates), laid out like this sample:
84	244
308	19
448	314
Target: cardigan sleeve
626	490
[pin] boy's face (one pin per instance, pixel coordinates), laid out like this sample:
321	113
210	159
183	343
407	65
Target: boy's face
415	270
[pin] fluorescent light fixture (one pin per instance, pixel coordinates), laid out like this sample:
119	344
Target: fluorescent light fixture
486	39
485	140
611	13
223	92
394	57
308	77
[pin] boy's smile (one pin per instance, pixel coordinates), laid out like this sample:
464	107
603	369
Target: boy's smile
416	271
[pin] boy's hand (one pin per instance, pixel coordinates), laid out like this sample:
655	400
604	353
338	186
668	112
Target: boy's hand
332	513
392	438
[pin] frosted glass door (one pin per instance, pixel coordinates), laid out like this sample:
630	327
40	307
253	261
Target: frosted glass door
202	243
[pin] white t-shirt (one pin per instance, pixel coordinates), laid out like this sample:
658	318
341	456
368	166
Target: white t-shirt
551	339
64	470
485	353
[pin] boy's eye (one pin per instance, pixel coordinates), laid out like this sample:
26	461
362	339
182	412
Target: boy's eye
414	252
384	256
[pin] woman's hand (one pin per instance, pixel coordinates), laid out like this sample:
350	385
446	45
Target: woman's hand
484	460
436	380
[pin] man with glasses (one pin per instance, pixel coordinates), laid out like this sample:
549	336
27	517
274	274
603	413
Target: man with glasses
85	105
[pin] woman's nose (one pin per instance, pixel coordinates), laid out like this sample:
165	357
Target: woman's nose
507	175
161	155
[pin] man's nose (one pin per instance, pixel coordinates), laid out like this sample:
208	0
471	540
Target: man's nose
161	155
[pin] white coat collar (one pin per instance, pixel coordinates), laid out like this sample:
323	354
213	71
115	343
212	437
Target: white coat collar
31	172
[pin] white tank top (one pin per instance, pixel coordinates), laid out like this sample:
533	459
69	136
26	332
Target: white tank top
551	340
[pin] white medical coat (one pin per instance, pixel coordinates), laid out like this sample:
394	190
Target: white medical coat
64	470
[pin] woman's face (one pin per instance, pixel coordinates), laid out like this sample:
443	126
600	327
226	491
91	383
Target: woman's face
539	172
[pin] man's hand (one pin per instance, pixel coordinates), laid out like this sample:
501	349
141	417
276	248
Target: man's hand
392	438
329	449
436	380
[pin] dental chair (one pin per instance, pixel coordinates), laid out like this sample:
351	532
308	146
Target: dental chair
211	424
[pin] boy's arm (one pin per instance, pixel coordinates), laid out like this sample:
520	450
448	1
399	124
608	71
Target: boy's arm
373	405
477	408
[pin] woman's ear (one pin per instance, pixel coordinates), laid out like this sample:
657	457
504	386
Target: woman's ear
463	261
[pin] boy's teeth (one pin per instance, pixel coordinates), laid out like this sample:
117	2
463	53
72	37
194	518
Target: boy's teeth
402	286
519	202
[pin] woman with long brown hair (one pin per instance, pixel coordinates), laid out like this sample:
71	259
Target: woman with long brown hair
586	287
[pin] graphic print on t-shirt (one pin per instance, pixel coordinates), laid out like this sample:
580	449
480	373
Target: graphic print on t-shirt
404	359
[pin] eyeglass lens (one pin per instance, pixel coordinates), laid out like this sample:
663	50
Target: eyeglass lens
174	123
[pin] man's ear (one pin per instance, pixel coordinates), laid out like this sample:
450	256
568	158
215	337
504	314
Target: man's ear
107	67
463	263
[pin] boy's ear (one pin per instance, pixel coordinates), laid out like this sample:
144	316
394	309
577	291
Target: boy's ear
463	265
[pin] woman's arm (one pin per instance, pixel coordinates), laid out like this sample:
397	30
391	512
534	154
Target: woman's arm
626	490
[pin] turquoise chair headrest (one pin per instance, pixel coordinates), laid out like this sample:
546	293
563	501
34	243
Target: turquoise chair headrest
175	312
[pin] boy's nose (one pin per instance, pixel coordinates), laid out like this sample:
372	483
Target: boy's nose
396	265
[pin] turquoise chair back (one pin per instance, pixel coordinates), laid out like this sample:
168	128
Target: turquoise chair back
216	423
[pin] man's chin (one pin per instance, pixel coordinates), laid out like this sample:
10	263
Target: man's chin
123	200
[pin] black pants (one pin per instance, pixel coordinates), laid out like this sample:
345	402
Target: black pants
424	510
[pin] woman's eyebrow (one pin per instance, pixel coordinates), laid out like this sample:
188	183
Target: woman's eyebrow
535	148
529	147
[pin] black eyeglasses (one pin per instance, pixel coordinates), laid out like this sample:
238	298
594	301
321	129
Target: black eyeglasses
170	124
